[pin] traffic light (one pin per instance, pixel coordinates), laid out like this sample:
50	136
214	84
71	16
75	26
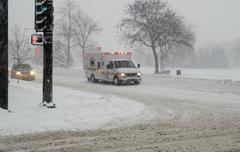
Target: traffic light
37	39
43	15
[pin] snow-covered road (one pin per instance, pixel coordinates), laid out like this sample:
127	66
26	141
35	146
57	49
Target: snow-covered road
170	97
190	115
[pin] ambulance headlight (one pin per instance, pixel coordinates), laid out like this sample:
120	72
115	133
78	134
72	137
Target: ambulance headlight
122	75
139	73
18	73
32	73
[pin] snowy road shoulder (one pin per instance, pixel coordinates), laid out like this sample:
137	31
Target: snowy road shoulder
75	110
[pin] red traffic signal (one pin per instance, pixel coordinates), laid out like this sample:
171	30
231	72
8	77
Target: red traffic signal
37	39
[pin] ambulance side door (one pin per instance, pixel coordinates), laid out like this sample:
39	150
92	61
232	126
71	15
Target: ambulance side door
110	70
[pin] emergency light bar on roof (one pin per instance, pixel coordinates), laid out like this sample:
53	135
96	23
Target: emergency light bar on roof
116	53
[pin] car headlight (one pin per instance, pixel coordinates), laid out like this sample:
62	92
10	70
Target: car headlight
32	73
122	74
138	73
18	73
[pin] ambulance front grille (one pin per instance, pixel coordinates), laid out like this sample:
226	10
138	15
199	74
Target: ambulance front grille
131	74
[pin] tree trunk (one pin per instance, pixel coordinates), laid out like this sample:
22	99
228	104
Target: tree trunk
156	60
83	57
69	37
68	53
68	56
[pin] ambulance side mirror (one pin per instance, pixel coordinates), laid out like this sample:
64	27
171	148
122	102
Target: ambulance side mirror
139	66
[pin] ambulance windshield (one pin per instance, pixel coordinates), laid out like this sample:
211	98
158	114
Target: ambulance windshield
124	64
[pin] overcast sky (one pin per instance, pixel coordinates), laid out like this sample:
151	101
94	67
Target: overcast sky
214	21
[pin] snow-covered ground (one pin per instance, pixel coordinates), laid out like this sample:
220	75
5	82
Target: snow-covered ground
213	74
185	114
79	108
76	110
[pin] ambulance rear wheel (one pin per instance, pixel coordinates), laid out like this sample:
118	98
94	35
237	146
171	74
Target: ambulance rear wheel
92	78
116	81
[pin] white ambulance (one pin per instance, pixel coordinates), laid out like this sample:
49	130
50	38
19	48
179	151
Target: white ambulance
112	66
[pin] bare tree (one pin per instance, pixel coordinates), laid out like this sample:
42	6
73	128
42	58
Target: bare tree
65	28
85	28
213	56
60	57
177	40
154	24
20	46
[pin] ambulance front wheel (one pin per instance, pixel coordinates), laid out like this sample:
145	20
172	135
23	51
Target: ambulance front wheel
116	81
136	82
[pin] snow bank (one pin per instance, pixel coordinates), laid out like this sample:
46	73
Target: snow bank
211	74
75	110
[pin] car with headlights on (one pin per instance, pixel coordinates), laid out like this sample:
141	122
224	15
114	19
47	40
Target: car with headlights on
23	72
